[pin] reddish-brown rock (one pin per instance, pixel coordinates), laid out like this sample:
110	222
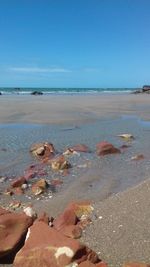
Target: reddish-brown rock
81	208
39	187
18	182
12	230
59	163
84	222
43	150
29	174
105	148
3	211
86	264
44	218
68	217
88	255
72	231
46	247
80	148
101	264
34	170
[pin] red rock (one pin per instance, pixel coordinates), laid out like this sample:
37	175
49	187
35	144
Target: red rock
88	255
86	264
72	231
84	222
46	247
68	217
80	148
49	150
81	208
59	163
39	187
42	150
105	148
136	265
34	170
3	211
44	218
18	182
29	174
101	264
12	231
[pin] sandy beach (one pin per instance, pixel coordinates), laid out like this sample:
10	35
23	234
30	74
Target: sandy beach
120	228
74	109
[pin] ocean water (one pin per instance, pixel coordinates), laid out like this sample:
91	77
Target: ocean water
60	91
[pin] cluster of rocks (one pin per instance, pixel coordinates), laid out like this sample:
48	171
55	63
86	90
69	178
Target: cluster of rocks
45	241
30	240
145	89
47	156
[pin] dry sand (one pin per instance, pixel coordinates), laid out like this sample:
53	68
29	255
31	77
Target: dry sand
122	233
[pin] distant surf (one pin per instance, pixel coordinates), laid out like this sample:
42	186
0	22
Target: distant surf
63	91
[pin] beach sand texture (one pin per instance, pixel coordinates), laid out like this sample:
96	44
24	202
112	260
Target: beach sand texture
120	231
80	108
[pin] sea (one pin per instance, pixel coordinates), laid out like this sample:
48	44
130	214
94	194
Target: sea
62	91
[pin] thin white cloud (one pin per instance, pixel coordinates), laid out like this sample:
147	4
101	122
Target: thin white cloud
38	70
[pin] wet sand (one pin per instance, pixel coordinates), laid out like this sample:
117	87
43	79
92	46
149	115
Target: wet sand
75	108
123	232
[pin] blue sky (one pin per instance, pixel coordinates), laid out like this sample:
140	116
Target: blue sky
74	43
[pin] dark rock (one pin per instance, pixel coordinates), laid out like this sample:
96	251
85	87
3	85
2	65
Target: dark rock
145	89
37	93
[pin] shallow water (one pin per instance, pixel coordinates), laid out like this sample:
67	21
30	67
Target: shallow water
112	173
